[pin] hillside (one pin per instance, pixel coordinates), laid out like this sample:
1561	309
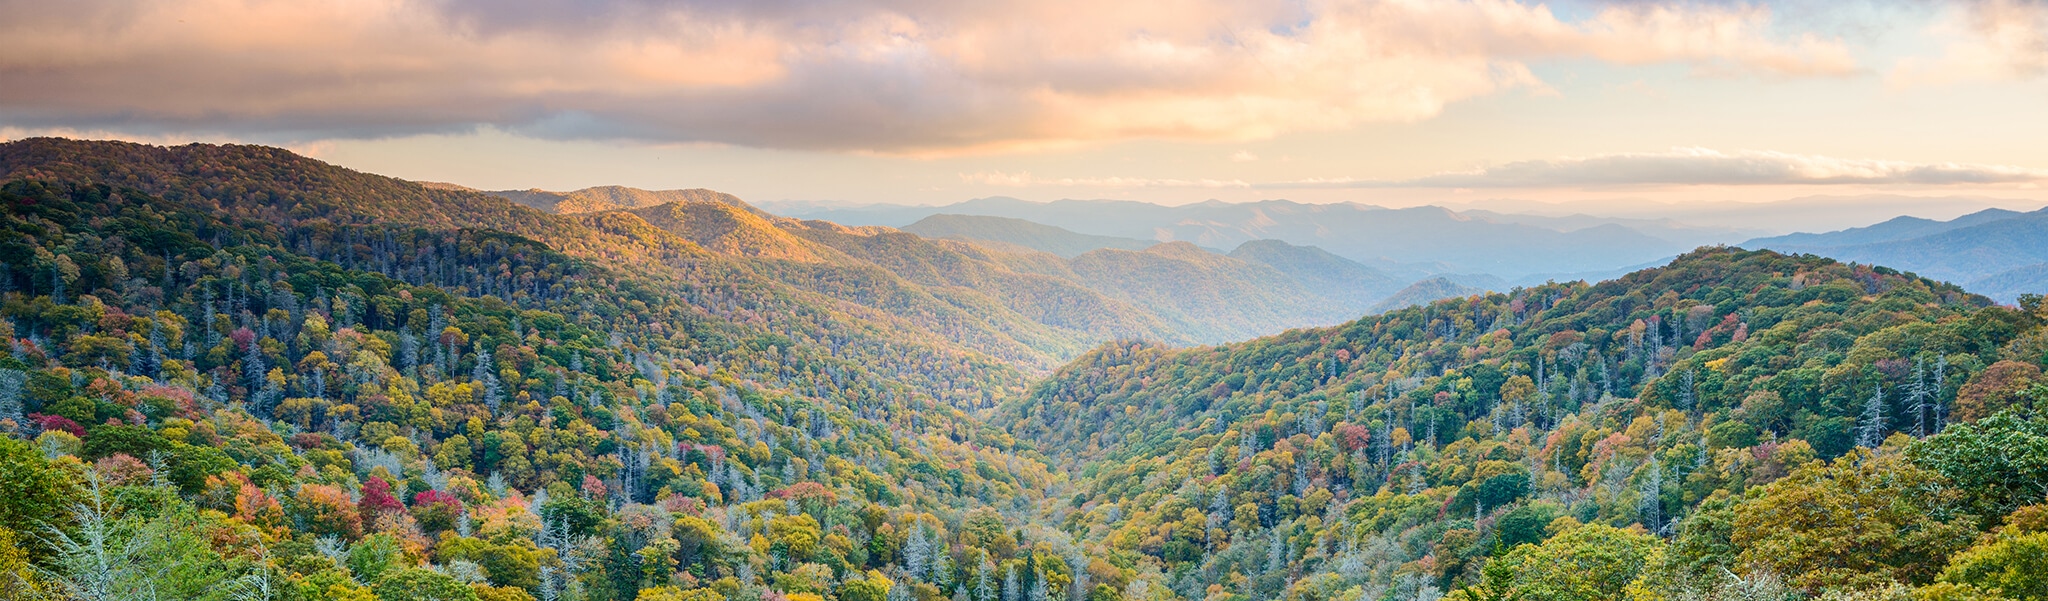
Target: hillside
1351	285
1043	238
1422	293
324	408
1681	418
1211	297
886	337
612	198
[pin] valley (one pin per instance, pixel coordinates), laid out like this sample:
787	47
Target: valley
250	374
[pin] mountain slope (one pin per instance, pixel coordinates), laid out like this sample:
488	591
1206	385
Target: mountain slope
2008	285
732	301
335	404
1327	275
1422	293
610	198
1682	415
1213	298
728	229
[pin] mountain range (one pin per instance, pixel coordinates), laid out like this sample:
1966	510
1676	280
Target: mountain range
1418	240
236	372
1091	288
1995	252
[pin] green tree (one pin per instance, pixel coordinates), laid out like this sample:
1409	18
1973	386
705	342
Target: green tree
874	587
420	584
32	493
2001	462
1865	519
1593	561
796	533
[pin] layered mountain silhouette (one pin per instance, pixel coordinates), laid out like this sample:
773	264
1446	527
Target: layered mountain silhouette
1412	242
1999	253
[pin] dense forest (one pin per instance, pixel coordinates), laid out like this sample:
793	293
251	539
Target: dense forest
1735	425
248	384
235	373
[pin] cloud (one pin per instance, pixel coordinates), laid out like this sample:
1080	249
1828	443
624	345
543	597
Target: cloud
1024	179
1987	40
1697	166
1680	166
884	76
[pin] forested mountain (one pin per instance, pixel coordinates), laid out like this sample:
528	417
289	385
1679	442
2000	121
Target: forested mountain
262	377
1736	425
1425	292
611	198
1995	252
236	373
1347	282
1005	230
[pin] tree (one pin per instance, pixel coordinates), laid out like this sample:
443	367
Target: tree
1496	583
798	534
874	587
1867	518
1593	561
32	493
2011	567
19	579
670	593
2001	463
1995	389
420	584
1871	430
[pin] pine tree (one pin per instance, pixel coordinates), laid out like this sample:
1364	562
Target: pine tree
1010	592
1870	433
984	581
1916	398
13	383
1652	503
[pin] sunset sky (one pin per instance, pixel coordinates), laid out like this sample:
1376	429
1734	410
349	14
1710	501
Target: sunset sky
1393	102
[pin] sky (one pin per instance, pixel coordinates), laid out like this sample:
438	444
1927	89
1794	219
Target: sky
1390	102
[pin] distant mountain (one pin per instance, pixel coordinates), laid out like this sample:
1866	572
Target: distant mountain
1423	293
1449	240
1027	234
1802	214
1212	297
1898	228
1683	234
1994	247
1323	273
2007	286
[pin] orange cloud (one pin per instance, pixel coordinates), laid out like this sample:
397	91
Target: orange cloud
902	77
1987	40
